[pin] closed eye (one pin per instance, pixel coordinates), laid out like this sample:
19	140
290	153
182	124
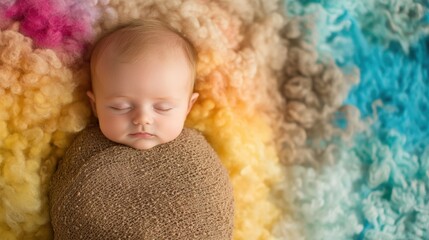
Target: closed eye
163	109
119	108
163	106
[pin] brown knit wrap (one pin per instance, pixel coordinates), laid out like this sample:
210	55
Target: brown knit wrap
176	190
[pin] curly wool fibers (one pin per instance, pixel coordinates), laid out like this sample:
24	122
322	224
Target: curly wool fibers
38	113
377	187
383	22
64	26
400	84
375	190
393	86
394	191
392	77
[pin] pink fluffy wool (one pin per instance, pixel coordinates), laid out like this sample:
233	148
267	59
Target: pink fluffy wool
51	24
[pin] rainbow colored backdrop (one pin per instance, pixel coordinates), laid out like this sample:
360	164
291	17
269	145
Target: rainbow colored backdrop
319	109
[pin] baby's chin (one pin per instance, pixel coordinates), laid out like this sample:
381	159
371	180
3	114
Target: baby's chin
146	144
142	144
139	144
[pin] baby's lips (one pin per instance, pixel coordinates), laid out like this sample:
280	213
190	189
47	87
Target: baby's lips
142	134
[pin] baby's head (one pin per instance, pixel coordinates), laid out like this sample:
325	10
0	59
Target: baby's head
142	83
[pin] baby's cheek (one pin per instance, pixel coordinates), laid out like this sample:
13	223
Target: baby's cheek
173	127
113	127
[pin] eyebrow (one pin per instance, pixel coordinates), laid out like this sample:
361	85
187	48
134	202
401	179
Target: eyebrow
113	97
167	98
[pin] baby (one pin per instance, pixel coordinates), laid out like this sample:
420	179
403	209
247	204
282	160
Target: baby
142	78
139	173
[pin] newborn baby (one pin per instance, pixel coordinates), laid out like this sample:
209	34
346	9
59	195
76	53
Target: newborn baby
138	173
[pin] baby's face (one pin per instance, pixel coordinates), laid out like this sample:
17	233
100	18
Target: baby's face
145	103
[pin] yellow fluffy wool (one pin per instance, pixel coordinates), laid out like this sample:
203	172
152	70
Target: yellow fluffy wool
38	113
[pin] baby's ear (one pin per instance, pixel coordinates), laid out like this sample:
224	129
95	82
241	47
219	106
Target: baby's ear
193	99
91	96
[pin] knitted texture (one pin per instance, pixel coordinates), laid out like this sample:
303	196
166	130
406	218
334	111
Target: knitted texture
176	190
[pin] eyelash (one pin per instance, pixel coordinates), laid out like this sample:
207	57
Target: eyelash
163	109
119	109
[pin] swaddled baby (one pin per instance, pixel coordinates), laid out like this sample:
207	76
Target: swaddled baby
138	173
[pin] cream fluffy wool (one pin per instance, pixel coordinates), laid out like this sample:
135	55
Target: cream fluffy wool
176	190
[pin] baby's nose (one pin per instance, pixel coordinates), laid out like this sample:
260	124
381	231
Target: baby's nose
142	117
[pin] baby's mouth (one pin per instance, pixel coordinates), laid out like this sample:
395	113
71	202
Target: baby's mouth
142	135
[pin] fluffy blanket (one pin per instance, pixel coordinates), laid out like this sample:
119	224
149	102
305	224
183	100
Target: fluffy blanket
105	190
318	109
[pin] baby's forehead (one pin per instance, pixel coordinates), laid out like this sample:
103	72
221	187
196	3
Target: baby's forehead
158	57
128	49
146	54
153	69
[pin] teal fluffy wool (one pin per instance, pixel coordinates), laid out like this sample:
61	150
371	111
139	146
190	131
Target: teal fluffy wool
375	190
394	189
378	187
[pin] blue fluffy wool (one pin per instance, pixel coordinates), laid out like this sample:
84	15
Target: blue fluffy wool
399	80
394	70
